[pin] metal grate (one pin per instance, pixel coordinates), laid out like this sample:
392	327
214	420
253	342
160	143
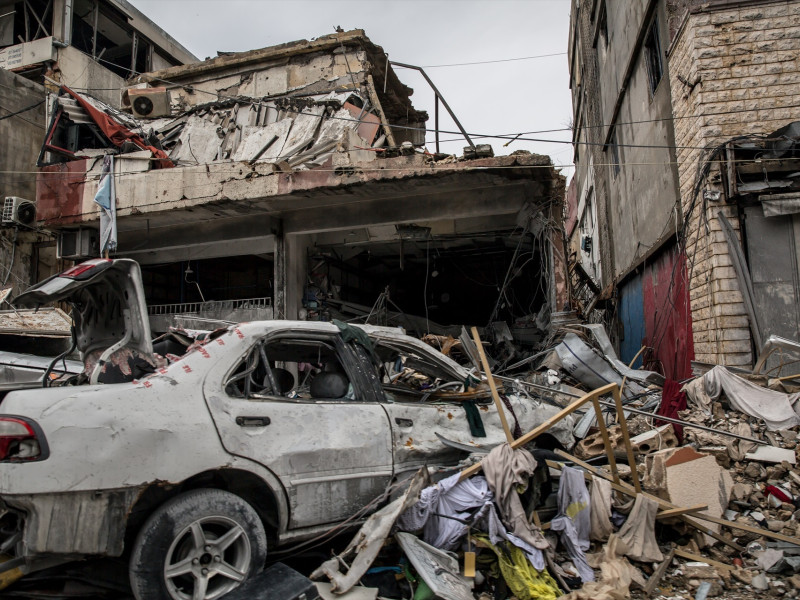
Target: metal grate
212	306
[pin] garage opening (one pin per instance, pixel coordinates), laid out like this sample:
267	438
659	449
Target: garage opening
432	284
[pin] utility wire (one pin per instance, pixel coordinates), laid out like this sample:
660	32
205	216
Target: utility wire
490	62
516	137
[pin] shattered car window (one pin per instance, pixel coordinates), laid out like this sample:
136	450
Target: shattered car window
411	376
291	369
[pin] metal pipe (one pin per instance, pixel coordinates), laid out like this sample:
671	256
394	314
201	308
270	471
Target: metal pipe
436	122
643	413
438	95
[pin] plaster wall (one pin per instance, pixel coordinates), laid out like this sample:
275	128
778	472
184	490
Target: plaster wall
79	72
644	193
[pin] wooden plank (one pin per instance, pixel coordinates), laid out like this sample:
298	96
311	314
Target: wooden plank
698	558
544	427
623	424
627	489
376	102
601	423
658	574
677	512
487	371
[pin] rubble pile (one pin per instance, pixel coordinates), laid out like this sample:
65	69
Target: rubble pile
692	490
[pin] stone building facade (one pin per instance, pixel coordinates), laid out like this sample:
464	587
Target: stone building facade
735	69
685	95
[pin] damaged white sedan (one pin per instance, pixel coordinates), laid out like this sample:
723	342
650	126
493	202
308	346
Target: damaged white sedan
269	432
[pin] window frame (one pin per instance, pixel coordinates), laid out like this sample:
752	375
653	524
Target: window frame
652	56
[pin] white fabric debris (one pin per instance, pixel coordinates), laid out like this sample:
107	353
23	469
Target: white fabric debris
775	408
451	498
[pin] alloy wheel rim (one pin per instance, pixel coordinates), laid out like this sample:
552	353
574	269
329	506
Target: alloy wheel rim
208	558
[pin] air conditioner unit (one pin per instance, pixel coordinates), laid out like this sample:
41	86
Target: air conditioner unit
77	244
18	211
149	103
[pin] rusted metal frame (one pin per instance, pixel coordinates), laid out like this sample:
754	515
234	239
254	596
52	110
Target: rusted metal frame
439	97
544	427
495	395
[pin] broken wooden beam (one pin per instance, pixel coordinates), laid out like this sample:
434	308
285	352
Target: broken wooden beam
487	371
544	427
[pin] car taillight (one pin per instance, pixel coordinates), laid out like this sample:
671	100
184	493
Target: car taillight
87	269
20	440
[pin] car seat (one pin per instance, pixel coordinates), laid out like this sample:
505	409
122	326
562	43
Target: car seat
329	385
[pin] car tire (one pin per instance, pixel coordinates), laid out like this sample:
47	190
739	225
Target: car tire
197	546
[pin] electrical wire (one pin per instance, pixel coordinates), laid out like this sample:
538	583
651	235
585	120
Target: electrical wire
491	62
20	111
515	136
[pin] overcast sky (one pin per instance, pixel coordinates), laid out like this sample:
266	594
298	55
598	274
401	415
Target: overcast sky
515	96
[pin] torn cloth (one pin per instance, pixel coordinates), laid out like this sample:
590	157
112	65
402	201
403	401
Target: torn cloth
525	582
451	498
507	472
616	575
600	510
638	532
574	519
776	409
673	400
106	198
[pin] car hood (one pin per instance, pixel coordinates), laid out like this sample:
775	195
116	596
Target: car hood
108	301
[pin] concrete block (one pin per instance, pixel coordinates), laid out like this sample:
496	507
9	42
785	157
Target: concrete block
686	477
771	454
654	440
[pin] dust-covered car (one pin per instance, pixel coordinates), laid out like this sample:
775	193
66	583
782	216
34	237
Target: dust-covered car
269	432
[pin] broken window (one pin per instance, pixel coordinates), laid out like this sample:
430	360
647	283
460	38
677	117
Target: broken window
301	369
25	21
409	375
102	32
652	53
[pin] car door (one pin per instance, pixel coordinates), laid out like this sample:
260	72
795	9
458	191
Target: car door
332	455
424	398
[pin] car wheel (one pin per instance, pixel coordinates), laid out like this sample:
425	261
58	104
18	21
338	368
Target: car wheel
197	546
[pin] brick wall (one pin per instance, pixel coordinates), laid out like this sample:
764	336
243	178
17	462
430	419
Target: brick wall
734	71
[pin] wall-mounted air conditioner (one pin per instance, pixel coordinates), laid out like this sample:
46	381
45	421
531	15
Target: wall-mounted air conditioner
149	103
18	211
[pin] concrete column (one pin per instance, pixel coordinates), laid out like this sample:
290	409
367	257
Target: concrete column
280	272
296	272
62	20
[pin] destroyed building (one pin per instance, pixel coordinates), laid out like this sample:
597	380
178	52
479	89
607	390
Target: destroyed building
91	46
680	217
293	181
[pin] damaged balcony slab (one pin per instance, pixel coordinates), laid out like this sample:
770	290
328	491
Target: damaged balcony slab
190	194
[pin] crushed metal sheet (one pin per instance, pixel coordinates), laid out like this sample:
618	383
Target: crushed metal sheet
439	570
